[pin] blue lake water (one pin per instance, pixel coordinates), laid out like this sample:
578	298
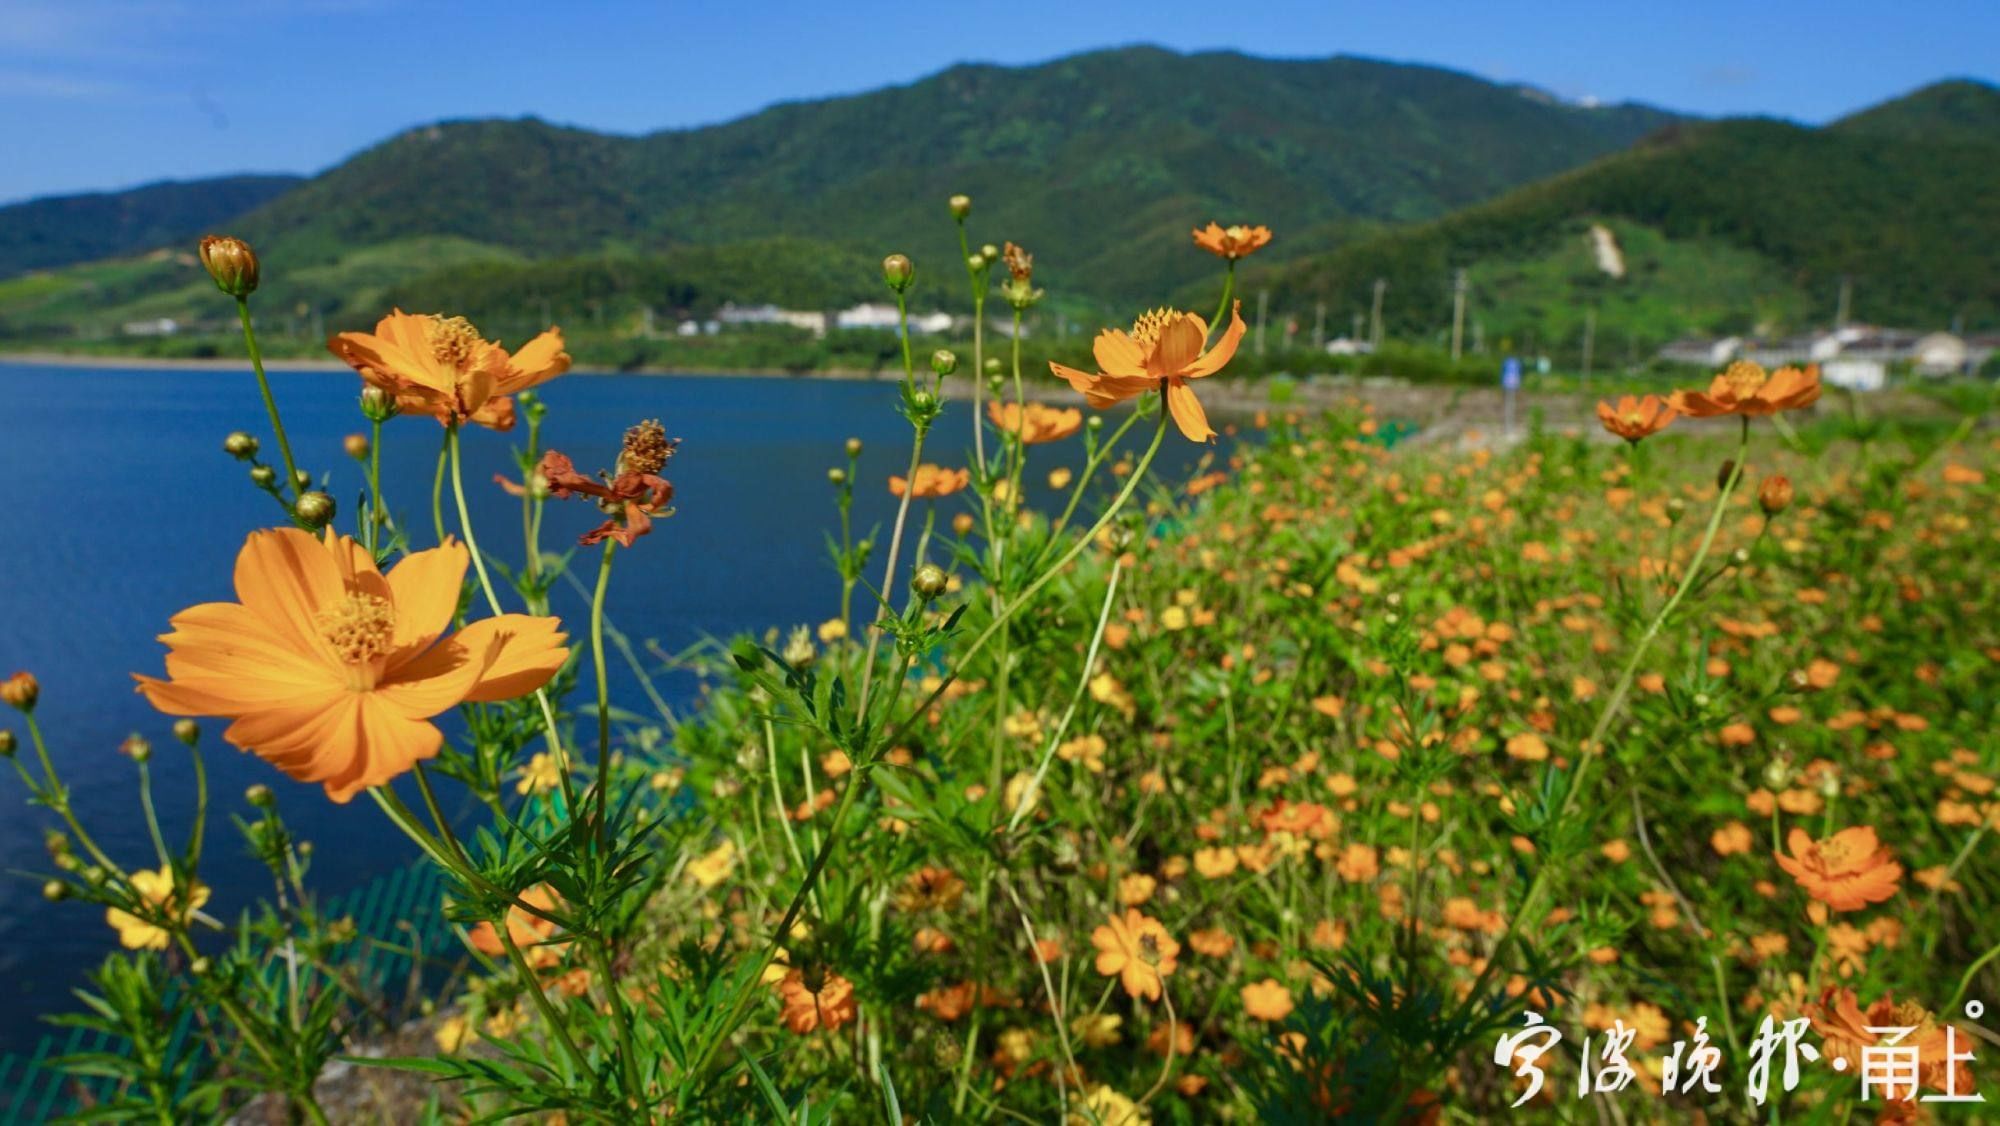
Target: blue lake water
121	509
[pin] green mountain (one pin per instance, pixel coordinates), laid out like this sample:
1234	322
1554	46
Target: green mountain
1098	162
1956	111
61	230
1729	226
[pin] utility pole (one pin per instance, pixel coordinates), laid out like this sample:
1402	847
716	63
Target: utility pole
1263	299
1375	315
1846	300
1589	337
1457	313
1358	319
1319	326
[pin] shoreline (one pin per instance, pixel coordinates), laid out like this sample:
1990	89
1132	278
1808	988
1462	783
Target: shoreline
210	363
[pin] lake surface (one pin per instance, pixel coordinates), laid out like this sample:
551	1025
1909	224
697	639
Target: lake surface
121	509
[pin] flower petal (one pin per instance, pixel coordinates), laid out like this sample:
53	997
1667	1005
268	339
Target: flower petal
1178	347
529	651
1187	412
1118	354
1224	350
538	361
285	576
425	588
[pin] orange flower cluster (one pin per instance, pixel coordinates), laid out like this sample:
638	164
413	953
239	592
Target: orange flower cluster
933	482
1034	423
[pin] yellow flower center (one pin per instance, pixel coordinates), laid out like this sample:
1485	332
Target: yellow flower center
1237	235
453	340
1147	329
1743	378
361	627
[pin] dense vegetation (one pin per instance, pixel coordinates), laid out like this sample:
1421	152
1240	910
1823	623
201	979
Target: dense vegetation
1732	226
62	230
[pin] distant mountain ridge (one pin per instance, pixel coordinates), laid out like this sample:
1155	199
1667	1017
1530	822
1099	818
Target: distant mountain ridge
1732	225
1096	160
60	230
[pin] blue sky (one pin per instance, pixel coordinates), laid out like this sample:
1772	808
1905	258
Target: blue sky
108	93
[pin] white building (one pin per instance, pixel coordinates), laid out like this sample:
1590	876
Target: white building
734	314
886	317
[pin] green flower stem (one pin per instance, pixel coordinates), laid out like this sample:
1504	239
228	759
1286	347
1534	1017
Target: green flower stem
902	514
1082	684
1034	588
547	1009
1593	748
270	402
1228	291
603	785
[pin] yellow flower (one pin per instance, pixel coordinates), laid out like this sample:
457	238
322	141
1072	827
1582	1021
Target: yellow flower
540	775
1106	1107
832	630
715	866
1097	1030
453	1033
1267	1000
157	890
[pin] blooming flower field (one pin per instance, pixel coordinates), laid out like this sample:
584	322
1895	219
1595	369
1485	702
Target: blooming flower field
1648	779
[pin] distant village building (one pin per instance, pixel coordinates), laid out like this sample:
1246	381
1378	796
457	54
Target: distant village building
734	314
879	316
1854	356
158	326
1346	346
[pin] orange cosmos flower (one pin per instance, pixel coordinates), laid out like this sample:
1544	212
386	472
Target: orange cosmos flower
442	367
1846	871
825	1002
1744	388
933	482
1844	1026
1138	950
332	670
1267	1000
1164	350
529	932
1633	419
1231	242
1034	423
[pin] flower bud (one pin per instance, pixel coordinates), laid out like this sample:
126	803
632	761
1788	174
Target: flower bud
187	731
836	476
378	405
1829	783
55	841
1724	472
201	966
136	747
1776	494
263	476
961	206
356	446
961	524
304	849
897	271
240	446
990	252
929	581
853	447
944	361
315	508
1676	508
993	365
975	261
259	795
799	652
1778	773
7	744
20	691
55	891
232	264
302	479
